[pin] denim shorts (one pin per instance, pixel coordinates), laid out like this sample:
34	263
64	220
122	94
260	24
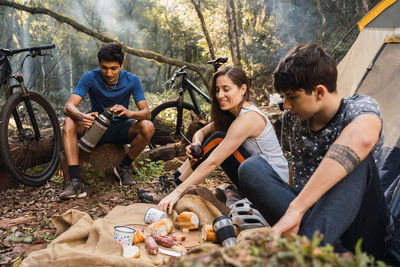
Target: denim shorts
117	133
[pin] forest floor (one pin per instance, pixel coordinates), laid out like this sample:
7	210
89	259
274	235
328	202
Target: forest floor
26	226
26	212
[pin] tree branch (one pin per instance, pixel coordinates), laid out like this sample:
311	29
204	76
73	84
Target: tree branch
104	38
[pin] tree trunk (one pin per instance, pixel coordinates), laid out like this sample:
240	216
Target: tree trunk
232	32
104	38
240	32
203	26
365	5
323	18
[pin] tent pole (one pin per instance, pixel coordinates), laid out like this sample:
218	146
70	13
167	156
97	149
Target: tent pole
347	34
369	67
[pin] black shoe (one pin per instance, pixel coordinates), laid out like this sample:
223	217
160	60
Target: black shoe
73	190
124	174
231	194
158	190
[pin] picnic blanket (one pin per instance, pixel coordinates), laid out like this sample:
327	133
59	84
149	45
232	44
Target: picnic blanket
83	241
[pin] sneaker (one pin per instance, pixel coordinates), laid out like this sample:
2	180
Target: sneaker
231	194
73	190
124	174
158	190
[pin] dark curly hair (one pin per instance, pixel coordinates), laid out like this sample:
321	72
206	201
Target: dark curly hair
304	67
111	52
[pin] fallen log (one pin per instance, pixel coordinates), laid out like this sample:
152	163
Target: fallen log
40	152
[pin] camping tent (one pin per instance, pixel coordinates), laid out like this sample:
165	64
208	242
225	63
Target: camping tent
372	65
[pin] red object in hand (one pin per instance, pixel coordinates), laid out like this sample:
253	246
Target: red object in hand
196	151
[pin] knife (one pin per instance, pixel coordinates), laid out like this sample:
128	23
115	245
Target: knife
170	252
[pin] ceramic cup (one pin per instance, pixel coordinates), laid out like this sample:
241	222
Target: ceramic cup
225	231
124	235
153	215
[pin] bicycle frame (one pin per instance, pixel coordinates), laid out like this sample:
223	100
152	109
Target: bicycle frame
6	76
192	88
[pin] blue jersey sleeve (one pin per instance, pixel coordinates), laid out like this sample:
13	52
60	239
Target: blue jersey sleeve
83	85
137	90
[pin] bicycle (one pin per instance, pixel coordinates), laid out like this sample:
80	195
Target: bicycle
30	134
179	111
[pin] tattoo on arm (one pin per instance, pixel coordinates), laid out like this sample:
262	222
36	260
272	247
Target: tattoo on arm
345	156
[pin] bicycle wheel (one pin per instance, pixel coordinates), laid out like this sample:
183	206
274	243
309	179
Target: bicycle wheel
30	161
168	124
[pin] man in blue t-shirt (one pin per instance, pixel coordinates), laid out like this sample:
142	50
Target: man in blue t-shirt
108	87
335	144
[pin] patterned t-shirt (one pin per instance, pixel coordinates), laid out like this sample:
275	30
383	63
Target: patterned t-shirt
308	147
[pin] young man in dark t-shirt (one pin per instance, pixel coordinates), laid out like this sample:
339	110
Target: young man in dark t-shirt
335	144
108	87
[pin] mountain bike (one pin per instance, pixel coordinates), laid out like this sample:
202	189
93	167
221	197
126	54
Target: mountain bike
172	118
30	135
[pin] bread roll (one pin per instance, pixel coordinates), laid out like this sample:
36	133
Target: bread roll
169	224
138	236
161	227
131	252
208	234
188	220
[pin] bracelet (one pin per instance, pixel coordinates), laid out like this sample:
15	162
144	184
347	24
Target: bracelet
82	117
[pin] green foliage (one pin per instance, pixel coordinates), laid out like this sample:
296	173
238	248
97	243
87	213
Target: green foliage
267	29
276	251
149	170
58	177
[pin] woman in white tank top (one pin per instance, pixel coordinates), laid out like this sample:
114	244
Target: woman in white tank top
237	131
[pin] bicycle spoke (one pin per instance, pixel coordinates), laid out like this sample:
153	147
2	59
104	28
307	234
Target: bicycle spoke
31	157
30	136
165	119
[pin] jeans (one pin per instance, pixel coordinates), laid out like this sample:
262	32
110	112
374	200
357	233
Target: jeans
354	208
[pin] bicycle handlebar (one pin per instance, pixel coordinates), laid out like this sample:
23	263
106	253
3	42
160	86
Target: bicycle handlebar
10	52
179	72
218	60
182	71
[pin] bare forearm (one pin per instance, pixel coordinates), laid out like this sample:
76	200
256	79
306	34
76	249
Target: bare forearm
143	114
198	137
203	132
198	175
73	112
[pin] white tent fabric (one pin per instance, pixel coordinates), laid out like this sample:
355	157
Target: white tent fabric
372	65
383	84
353	66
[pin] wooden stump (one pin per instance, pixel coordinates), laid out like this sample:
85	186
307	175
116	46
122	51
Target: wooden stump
99	163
